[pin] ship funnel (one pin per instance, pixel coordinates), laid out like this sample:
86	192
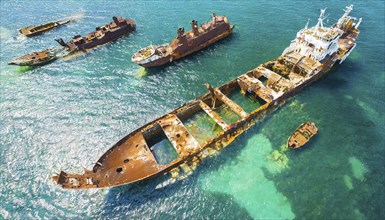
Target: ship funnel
180	32
214	18
194	26
115	20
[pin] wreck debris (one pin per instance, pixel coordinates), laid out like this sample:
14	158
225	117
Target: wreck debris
280	161
135	158
302	135
185	43
31	31
102	35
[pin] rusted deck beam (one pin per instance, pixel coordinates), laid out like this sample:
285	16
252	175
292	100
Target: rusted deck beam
275	81
213	115
183	142
233	105
251	84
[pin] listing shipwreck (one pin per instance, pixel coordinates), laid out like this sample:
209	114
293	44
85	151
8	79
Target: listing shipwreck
228	110
185	43
102	35
31	31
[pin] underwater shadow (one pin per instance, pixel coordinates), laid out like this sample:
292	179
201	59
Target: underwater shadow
338	76
133	196
26	69
319	171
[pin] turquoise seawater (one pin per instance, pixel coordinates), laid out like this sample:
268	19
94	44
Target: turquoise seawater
67	114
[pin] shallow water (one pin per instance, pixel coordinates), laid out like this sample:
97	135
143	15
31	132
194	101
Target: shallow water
65	115
202	127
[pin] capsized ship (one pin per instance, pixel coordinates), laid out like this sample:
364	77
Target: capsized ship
215	119
31	31
103	34
185	43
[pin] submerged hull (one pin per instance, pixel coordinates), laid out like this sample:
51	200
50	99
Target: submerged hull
104	34
32	63
108	36
31	31
266	87
35	58
168	59
188	43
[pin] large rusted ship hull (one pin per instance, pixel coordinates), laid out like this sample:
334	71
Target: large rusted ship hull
108	37
269	85
189	50
187	43
102	35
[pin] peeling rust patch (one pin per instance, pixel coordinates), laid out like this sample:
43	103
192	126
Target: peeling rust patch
183	142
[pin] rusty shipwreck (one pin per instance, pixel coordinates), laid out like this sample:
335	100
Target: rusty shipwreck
185	43
35	58
227	111
102	35
31	31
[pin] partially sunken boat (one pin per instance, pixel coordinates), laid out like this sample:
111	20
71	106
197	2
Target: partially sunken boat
35	58
31	31
185	43
302	135
212	121
103	34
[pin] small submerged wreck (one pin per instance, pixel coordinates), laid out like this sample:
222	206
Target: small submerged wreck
31	31
302	135
35	58
185	43
102	35
214	120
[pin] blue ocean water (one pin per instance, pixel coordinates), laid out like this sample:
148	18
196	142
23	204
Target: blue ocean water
65	115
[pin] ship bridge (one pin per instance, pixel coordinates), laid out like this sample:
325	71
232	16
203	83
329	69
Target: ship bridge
316	42
302	65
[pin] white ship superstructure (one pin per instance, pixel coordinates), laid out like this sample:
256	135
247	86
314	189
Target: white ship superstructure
318	42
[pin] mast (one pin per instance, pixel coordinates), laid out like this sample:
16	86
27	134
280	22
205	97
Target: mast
320	21
308	20
358	24
347	11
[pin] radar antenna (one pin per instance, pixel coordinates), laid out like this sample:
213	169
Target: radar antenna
308	20
347	11
320	21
